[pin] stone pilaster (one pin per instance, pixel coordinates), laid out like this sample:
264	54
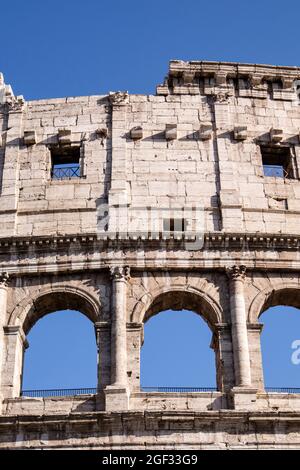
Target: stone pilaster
257	375
117	393
135	340
10	173
229	194
103	335
3	308
118	197
14	343
222	346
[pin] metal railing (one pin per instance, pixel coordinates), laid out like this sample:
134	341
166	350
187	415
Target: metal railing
73	392
61	172
178	389
62	392
282	389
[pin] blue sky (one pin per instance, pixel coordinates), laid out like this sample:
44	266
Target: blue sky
68	48
176	352
72	47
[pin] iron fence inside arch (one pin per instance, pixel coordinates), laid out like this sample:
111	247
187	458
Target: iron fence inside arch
178	389
62	392
73	392
282	389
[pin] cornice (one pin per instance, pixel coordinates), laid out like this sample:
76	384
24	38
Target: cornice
211	240
186	75
232	68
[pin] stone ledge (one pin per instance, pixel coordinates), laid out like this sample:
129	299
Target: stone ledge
121	416
152	430
221	239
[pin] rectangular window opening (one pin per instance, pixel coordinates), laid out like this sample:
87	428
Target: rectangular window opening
277	161
174	225
65	162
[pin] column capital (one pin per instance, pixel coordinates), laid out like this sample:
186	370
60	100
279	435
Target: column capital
118	97
236	272
4	277
120	273
221	98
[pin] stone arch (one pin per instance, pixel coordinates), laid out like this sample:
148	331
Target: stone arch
29	311
177	297
285	293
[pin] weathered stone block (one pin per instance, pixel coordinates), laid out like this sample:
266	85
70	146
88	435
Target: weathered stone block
64	136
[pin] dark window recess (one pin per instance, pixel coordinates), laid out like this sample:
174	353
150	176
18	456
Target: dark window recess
277	161
65	162
174	225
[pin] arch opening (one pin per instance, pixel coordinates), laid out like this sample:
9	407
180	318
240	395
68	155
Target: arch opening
62	353
179	300
64	298
280	340
285	297
176	354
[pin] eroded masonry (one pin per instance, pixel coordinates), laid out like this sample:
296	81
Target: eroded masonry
121	206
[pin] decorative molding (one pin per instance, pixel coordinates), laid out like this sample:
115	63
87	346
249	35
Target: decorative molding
211	240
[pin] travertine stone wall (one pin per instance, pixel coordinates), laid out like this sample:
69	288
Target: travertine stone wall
195	145
209	164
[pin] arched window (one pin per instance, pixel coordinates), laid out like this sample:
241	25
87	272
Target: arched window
176	352
62	353
280	346
45	333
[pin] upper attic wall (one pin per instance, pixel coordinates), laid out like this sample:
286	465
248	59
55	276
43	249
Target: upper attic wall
196	143
32	201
